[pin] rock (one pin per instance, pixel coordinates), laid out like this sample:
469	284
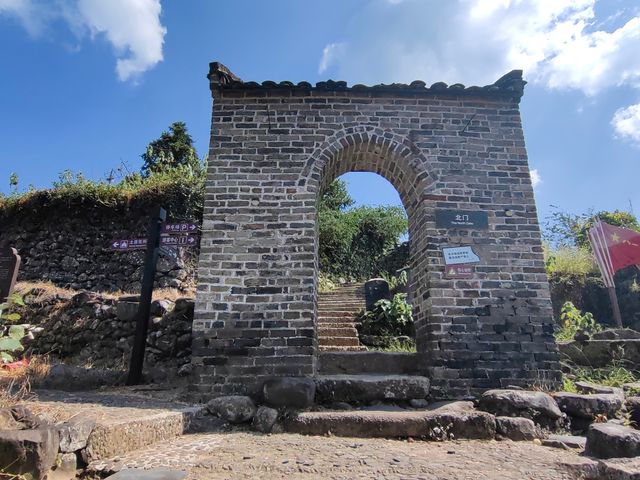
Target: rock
608	440
233	408
374	290
160	307
517	428
632	389
370	388
126	311
565	441
633	407
418	403
588	387
75	432
66	466
184	305
8	421
152	474
70	378
294	392
616	334
31	453
264	419
185	370
588	406
537	406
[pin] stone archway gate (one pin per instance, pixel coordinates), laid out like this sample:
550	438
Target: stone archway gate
448	150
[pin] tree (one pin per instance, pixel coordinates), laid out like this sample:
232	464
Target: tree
562	228
173	149
353	242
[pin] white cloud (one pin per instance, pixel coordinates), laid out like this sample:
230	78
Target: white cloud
330	54
132	27
626	122
535	178
560	44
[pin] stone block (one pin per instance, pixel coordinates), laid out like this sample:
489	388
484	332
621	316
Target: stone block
610	440
289	392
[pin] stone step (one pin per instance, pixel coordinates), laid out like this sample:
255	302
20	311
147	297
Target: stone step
370	388
332	349
336	331
351	341
124	422
340	363
337	313
430	425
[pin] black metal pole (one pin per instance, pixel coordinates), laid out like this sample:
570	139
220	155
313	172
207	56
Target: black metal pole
158	216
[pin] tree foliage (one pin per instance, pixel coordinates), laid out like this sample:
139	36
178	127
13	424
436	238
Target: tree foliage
173	149
354	241
563	228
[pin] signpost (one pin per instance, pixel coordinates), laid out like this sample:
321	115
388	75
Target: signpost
9	265
471	219
144	307
163	238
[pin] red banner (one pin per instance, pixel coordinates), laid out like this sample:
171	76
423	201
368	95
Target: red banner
614	248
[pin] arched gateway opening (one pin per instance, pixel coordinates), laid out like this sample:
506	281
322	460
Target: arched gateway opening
456	155
366	149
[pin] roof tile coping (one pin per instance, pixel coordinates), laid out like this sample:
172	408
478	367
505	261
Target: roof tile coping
509	86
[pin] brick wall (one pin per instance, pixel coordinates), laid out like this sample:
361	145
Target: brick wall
273	148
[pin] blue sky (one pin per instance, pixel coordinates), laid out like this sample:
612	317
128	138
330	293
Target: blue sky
86	84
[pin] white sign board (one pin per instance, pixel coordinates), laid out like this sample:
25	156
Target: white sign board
458	255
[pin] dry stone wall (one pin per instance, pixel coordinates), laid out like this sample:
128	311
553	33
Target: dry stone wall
273	148
69	245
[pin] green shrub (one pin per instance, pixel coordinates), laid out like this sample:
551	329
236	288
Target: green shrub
566	260
389	318
573	320
10	344
395	281
396	345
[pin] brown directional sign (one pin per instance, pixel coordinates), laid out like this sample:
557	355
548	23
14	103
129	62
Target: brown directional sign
166	241
179	228
9	265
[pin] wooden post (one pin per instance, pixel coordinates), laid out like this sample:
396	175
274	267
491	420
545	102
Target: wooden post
158	216
615	306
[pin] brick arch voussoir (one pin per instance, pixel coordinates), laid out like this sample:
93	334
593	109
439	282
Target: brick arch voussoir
407	160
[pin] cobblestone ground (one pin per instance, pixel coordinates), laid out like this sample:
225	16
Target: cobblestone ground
246	455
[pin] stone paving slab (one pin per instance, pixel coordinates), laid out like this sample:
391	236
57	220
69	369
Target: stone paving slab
124	422
242	455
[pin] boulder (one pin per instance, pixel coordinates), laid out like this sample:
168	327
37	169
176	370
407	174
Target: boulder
75	432
537	406
233	408
633	407
160	307
565	441
588	387
616	334
264	419
28	453
517	428
294	392
126	311
8	421
588	406
610	440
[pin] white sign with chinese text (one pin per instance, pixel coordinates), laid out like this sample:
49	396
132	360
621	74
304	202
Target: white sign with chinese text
457	255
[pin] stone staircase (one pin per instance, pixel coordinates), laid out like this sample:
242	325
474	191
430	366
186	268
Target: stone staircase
336	318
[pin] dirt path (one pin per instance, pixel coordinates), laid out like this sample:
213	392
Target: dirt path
287	456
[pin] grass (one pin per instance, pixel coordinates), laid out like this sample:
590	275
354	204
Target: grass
396	346
15	385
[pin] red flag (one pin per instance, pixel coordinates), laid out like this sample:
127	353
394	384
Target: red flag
623	246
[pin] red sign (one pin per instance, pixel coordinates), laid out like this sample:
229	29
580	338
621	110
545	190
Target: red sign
461	270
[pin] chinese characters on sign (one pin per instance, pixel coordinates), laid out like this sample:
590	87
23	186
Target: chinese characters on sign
172	235
458	255
459	271
462	219
177	228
